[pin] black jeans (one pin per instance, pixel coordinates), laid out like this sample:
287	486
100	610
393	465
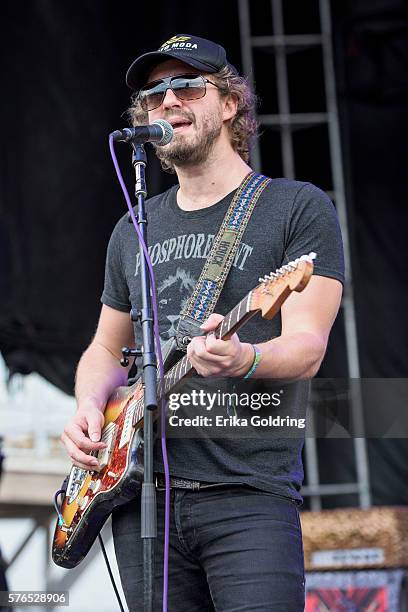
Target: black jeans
232	549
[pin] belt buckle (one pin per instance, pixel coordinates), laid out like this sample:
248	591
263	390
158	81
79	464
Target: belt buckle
195	485
185	483
176	483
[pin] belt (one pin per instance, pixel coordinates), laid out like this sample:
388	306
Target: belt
184	483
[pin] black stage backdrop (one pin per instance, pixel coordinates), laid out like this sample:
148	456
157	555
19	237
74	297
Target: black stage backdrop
371	38
62	68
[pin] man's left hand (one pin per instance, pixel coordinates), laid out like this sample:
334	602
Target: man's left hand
213	357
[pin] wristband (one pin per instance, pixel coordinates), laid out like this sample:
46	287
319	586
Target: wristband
255	363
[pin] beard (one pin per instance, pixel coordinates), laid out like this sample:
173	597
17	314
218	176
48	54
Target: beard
193	149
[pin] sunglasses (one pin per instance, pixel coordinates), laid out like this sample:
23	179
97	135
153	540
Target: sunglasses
184	86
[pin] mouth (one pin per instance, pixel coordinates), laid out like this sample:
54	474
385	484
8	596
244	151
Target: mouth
180	125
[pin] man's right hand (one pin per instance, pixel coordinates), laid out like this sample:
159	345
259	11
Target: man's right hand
82	434
98	374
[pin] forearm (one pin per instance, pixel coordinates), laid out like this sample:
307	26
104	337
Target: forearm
98	373
307	319
291	357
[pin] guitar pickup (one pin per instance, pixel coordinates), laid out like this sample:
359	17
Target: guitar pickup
108	437
127	425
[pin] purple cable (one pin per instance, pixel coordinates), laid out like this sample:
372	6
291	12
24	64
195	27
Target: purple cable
161	368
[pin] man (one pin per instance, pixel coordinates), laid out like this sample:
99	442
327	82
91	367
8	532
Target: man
234	545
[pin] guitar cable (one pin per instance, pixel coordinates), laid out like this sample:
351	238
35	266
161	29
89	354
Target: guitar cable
57	507
62	490
112	579
161	370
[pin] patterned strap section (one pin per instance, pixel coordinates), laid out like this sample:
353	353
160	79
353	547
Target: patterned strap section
222	254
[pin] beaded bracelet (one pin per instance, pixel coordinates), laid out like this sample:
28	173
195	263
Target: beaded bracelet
255	363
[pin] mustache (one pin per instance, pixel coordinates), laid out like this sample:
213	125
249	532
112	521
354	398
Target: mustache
182	115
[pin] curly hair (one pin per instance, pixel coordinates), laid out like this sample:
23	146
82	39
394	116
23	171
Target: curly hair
242	127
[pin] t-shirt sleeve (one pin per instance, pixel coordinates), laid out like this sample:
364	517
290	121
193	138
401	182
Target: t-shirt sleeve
314	227
116	291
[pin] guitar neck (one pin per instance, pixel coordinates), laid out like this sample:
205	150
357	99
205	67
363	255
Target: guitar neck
228	326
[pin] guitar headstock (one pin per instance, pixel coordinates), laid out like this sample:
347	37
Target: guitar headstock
275	287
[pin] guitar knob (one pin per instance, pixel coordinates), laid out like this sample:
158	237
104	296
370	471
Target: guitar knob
82	501
95	485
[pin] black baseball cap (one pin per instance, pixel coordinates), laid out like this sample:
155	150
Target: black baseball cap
198	52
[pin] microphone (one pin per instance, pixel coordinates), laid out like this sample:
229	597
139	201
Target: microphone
160	132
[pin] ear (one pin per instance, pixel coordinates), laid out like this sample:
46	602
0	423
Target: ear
230	107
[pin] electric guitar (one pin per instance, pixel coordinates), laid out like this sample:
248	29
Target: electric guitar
90	496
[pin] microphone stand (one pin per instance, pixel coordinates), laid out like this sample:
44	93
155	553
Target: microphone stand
148	501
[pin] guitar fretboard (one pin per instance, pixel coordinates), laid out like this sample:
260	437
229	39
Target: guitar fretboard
231	322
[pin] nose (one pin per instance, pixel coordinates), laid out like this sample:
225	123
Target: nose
170	99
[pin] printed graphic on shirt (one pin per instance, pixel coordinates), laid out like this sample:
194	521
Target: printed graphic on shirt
190	246
173	295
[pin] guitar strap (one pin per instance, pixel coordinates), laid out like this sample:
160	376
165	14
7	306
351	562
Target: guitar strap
219	261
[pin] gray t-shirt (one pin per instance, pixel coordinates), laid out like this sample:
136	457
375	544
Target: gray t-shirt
290	219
